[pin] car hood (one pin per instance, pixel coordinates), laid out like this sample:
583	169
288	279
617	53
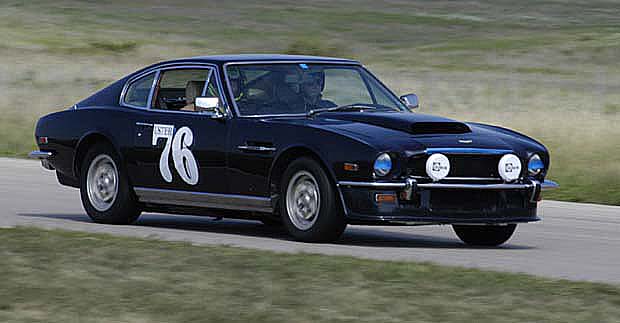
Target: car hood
416	124
393	131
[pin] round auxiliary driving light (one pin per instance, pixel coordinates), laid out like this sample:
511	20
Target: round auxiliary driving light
535	166
383	165
437	166
509	167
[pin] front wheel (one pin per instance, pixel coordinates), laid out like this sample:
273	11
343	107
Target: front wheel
484	235
310	208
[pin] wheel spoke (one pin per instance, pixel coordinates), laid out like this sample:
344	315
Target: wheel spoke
101	182
302	200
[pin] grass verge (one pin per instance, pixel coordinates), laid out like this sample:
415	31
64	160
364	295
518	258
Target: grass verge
57	276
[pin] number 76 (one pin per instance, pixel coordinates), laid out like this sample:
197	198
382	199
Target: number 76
178	144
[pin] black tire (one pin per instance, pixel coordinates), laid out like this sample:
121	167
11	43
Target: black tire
271	220
329	222
124	208
484	235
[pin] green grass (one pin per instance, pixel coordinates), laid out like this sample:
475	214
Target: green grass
316	47
612	108
57	276
547	68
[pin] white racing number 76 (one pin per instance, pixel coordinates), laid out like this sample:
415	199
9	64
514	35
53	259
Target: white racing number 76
178	144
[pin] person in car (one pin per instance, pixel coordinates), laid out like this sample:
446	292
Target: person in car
312	86
192	91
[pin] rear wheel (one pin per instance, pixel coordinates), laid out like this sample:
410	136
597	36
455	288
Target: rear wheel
484	235
309	208
106	194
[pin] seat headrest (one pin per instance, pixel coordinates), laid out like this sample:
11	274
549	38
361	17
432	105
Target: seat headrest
193	89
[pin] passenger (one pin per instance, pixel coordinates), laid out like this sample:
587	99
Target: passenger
192	91
288	93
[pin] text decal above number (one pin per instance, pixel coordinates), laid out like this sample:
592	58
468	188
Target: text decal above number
178	144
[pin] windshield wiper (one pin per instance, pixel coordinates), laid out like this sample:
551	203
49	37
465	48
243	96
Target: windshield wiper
347	107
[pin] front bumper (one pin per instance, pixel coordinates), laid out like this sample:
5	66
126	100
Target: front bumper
464	202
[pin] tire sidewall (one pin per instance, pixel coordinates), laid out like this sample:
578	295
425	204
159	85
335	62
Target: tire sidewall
330	222
124	209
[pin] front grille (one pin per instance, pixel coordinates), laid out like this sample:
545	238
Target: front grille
481	201
461	165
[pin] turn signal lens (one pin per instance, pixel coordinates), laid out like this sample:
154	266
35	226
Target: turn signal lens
351	167
383	165
535	166
385	198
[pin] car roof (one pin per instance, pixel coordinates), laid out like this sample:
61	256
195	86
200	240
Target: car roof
240	58
110	94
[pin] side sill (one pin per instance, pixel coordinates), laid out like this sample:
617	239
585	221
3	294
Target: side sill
206	200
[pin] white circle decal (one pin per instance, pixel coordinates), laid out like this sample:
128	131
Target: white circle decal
509	167
437	166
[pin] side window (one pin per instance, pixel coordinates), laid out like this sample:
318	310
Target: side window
178	89
212	89
138	92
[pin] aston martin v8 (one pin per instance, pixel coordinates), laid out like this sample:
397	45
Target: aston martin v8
311	143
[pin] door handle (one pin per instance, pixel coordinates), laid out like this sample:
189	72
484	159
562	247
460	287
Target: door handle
256	148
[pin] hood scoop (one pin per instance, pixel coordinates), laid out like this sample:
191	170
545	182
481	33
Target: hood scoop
413	123
428	128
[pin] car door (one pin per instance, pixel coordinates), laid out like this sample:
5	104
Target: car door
252	152
177	147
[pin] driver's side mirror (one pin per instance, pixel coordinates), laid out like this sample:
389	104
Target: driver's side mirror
410	100
209	105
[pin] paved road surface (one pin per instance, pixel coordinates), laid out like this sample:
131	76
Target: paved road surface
574	241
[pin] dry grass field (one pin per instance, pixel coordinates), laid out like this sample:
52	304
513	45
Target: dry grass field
546	68
57	276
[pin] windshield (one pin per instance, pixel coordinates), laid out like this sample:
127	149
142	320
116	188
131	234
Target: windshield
281	89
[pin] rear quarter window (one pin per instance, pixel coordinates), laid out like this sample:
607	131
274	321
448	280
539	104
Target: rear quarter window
138	91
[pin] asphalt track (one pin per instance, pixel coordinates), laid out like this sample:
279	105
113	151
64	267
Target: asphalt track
574	241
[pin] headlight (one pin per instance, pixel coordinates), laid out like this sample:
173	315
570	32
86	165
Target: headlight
383	164
535	166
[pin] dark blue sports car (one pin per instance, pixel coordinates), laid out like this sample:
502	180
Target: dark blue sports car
310	142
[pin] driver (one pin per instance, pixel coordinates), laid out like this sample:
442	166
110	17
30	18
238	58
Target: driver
312	86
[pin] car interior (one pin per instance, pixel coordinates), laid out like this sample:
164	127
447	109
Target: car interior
178	91
270	92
